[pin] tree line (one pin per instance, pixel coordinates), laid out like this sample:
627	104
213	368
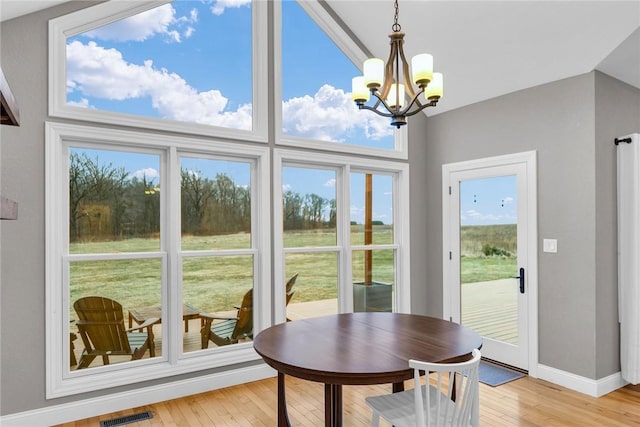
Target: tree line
107	203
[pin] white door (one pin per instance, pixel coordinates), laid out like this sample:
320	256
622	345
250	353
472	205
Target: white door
490	254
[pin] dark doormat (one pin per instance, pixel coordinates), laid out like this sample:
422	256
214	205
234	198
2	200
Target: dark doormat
495	375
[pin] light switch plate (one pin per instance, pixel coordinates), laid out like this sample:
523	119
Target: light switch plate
550	245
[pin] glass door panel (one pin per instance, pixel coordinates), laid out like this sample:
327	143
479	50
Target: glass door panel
488	257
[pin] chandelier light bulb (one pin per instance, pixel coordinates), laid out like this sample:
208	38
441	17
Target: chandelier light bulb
391	98
422	69
435	89
373	69
359	91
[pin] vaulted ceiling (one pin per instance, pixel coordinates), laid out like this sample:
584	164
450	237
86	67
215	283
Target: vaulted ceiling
488	48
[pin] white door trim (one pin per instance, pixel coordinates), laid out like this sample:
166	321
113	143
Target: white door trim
530	159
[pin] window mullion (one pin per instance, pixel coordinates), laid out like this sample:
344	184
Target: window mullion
172	285
345	282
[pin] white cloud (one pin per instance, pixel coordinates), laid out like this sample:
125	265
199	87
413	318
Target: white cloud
159	20
330	183
507	200
95	71
328	113
189	32
148	174
473	217
84	103
286	187
357	214
220	5
98	72
379	217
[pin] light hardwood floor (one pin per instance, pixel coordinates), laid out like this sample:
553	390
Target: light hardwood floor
524	402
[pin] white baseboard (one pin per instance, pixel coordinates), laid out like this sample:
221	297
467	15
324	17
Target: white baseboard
595	388
88	408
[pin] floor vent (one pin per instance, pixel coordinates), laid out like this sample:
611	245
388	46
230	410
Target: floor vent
146	415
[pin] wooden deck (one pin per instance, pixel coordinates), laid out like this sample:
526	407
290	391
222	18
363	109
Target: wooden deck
488	308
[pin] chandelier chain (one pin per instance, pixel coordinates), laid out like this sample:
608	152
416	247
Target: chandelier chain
396	27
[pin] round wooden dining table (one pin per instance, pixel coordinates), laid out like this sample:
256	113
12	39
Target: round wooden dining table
358	349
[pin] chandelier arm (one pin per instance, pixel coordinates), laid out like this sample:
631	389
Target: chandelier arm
375	110
388	71
408	84
405	111
421	107
381	100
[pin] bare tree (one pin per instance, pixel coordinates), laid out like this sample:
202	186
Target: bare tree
89	182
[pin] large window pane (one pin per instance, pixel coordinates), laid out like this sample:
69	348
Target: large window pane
216	204
371	209
114	201
309	207
319	106
175	61
217	286
316	288
135	284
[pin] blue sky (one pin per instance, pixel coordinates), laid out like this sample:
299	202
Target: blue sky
488	201
190	60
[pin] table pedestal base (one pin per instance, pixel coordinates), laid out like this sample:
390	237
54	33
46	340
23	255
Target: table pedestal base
333	405
283	416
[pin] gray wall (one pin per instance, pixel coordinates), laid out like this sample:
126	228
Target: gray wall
578	330
557	120
617	113
24	55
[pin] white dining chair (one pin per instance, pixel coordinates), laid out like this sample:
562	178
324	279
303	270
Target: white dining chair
449	397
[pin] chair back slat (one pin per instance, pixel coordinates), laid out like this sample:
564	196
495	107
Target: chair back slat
101	324
244	325
450	392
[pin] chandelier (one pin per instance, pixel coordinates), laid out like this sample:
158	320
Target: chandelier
391	91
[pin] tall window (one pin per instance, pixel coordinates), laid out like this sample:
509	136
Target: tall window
373	241
217	250
341	234
114	249
177	230
174	63
150	238
310	238
317	109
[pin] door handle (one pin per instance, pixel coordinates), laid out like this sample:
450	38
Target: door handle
521	277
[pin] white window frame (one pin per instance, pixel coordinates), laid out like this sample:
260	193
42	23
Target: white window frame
344	165
104	13
60	380
352	51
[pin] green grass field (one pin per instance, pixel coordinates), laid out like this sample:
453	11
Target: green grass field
479	246
218	283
